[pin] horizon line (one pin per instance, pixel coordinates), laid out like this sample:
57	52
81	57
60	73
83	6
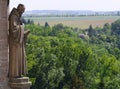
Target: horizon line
71	10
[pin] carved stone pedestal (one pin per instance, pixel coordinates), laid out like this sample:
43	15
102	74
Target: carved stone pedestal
20	83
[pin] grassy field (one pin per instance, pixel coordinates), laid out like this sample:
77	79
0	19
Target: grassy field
80	22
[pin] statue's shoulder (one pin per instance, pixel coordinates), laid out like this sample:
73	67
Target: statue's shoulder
13	13
14	10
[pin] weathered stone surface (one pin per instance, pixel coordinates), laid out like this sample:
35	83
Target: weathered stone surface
4	45
3	9
20	83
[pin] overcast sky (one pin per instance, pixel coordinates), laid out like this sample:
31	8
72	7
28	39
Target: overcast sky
95	5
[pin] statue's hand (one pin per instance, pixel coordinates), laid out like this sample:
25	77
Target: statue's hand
26	32
25	35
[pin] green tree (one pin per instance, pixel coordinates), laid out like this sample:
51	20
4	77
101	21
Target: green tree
91	31
115	28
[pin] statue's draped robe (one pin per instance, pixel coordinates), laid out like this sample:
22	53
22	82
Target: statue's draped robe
17	62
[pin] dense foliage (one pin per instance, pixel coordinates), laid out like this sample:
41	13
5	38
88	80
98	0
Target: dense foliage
62	57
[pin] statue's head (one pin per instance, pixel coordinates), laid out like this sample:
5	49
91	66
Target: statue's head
21	9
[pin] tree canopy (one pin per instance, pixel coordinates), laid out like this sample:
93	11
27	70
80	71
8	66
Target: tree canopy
59	58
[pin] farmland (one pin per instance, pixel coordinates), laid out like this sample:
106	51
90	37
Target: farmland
76	21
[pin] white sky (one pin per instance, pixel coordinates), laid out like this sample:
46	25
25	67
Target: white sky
95	5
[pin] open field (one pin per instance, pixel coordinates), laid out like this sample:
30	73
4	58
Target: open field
80	22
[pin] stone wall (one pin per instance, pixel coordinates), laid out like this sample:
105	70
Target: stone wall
4	44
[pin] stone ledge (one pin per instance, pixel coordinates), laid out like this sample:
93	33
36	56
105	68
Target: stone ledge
20	83
16	85
19	80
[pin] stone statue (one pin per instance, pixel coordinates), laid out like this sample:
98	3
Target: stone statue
17	37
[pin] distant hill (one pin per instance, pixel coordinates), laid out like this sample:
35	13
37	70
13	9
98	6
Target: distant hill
70	12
